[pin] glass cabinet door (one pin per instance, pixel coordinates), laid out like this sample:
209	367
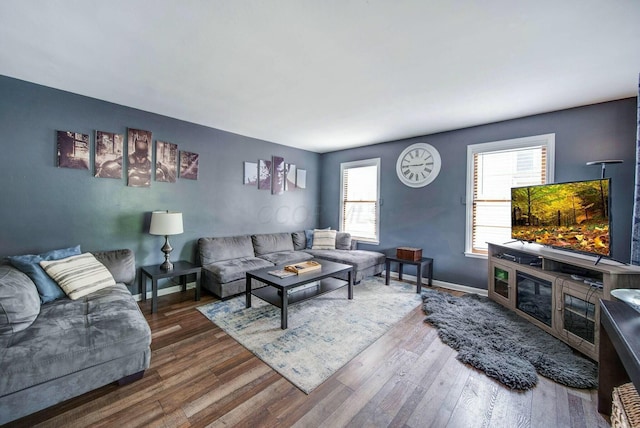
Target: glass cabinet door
579	316
501	282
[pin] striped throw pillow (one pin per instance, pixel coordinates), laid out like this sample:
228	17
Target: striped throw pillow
79	275
324	239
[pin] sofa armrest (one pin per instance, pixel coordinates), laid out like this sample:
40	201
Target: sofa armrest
121	264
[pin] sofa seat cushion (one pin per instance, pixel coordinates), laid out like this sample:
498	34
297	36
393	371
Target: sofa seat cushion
272	243
360	259
232	270
225	248
286	257
72	335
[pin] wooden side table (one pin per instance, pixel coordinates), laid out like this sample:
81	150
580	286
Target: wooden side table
419	264
153	272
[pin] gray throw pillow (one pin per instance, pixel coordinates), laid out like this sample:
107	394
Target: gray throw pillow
19	301
299	240
343	241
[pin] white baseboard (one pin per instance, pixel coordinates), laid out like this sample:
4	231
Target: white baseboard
443	284
394	275
165	291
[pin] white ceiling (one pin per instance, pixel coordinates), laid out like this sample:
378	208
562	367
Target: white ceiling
324	75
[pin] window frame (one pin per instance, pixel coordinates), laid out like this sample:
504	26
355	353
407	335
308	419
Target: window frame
547	140
358	164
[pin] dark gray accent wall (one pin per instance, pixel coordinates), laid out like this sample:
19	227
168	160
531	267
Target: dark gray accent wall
433	217
43	207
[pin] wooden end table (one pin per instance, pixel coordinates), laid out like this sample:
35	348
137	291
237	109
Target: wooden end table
419	264
153	272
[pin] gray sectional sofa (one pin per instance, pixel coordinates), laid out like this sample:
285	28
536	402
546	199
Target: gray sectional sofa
50	352
226	260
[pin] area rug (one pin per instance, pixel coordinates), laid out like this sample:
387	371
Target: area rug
505	346
324	333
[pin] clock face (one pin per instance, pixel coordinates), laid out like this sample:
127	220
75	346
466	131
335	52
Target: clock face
418	165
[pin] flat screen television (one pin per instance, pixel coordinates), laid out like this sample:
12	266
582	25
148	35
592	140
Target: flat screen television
571	216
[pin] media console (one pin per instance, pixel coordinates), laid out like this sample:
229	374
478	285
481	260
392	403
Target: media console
556	290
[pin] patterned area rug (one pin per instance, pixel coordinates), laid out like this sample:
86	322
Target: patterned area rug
324	333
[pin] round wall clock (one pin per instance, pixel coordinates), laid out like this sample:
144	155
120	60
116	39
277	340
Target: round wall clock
418	165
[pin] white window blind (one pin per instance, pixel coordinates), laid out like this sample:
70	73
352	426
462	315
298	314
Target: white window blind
359	214
495	168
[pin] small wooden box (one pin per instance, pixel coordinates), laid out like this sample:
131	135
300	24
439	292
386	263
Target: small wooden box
408	253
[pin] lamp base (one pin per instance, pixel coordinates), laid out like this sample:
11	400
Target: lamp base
166	249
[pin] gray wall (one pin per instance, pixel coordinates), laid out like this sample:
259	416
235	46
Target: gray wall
433	217
44	207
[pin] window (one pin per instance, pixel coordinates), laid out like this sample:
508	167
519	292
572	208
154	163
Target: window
359	208
492	170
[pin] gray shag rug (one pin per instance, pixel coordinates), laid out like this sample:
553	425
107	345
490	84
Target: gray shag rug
505	346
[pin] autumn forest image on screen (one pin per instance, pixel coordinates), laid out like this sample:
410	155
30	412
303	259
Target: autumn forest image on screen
573	216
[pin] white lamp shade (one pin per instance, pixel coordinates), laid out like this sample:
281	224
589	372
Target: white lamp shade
165	223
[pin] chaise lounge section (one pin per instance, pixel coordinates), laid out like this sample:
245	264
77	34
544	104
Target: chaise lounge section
226	260
53	351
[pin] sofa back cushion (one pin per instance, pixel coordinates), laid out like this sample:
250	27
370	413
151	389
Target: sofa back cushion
29	264
299	240
225	248
121	264
272	243
343	241
19	300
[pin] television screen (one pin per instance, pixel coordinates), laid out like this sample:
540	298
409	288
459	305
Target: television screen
572	216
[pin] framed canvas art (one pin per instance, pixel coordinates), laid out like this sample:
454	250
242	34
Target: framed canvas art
301	179
109	152
139	157
166	162
73	150
277	188
250	173
189	165
264	174
290	177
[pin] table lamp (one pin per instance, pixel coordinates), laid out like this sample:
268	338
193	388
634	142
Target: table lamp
166	223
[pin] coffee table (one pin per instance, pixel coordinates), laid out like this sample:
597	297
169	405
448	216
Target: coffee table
278	290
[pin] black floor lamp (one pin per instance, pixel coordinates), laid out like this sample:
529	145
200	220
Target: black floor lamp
604	163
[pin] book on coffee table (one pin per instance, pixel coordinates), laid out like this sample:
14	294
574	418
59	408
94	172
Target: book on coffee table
281	273
303	267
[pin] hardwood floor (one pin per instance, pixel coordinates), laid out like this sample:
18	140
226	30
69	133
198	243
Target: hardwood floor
199	376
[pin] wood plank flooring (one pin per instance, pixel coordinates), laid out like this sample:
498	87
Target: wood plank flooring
200	376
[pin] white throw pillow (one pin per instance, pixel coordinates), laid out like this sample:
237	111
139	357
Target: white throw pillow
79	275
324	239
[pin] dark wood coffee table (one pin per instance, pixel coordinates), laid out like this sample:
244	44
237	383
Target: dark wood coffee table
277	290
